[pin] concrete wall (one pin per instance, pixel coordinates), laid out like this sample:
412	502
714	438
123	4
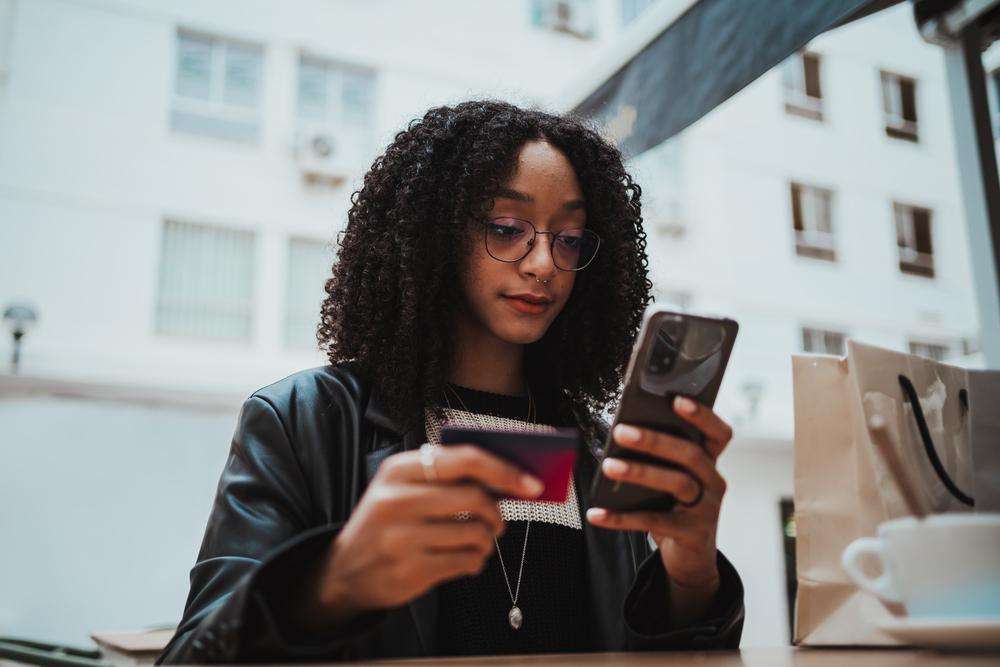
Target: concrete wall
102	509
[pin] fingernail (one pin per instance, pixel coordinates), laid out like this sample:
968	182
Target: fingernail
532	485
684	404
596	514
626	433
614	466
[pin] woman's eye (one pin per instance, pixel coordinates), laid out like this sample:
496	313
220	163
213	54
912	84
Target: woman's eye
502	231
569	242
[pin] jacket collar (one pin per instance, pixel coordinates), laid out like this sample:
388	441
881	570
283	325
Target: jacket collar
377	412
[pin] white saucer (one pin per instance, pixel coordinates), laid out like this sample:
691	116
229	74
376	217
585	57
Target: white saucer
945	632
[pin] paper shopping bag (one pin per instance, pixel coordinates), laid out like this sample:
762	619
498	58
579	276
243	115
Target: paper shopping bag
843	489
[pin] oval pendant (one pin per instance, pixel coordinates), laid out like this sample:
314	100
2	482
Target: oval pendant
515	617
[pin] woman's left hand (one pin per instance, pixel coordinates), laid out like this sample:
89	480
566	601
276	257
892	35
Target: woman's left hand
685	535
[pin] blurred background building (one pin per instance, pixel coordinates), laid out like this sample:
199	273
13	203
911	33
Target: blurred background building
173	175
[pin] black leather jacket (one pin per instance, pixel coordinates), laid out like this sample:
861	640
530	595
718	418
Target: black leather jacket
303	452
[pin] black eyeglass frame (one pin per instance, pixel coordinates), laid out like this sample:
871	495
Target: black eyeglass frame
531	243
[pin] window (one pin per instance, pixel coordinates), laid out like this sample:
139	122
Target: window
206	282
899	97
335	93
913	236
574	17
935	351
309	265
631	9
812	219
822	341
217	87
803	94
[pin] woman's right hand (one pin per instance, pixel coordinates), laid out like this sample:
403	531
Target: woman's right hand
403	538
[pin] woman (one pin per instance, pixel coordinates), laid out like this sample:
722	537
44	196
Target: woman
493	272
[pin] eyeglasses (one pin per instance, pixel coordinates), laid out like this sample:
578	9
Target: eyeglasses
511	239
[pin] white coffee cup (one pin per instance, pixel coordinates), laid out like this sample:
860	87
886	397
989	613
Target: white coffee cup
946	565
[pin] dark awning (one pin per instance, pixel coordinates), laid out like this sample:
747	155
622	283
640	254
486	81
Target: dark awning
708	54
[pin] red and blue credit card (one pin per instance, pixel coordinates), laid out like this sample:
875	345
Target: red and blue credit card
548	455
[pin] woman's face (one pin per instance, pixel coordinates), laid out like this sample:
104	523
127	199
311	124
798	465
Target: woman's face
501	297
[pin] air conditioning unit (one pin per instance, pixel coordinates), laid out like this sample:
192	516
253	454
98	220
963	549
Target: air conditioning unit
572	16
328	153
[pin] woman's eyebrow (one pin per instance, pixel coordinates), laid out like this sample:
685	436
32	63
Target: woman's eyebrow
507	193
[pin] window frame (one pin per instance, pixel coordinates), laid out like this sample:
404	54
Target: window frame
807	333
334	71
917	345
895	123
811	241
214	116
795	85
910	259
247	310
290	317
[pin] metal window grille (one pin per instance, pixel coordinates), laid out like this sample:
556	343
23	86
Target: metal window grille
206	282
309	265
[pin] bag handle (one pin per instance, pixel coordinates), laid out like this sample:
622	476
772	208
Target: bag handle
910	395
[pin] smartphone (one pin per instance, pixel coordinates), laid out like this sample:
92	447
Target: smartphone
548	455
676	354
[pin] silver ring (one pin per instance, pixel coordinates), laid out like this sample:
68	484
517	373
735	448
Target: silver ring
544	282
428	459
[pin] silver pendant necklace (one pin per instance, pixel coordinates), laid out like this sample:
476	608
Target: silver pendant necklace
515	616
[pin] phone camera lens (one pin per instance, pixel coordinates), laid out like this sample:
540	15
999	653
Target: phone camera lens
665	349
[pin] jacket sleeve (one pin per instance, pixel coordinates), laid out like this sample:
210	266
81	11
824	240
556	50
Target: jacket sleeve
258	541
647	610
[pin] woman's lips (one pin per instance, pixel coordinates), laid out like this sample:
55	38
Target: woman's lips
523	306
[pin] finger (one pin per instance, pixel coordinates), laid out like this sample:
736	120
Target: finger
717	432
445	501
689	456
664	523
428	502
444	536
463	462
678	483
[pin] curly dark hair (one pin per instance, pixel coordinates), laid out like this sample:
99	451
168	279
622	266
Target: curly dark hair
394	290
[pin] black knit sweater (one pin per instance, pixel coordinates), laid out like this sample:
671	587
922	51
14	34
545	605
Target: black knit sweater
553	597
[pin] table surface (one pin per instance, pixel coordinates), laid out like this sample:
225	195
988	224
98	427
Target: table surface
786	656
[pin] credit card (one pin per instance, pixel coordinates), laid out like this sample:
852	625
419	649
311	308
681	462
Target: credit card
548	455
